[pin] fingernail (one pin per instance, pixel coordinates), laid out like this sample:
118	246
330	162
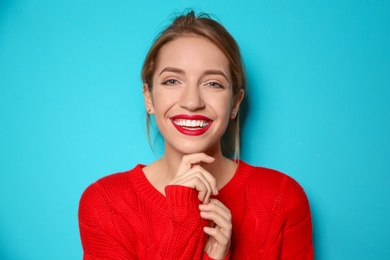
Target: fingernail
206	229
202	206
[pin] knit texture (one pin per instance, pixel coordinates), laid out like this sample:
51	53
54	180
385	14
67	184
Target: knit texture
122	216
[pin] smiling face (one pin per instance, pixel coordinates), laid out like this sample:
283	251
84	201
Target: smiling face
191	97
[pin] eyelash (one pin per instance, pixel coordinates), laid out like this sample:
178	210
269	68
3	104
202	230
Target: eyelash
212	84
170	82
215	85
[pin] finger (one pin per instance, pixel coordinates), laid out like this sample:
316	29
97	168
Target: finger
209	177
189	160
197	181
222	221
219	214
204	175
216	205
219	236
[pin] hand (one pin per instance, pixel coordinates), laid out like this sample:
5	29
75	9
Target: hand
192	175
220	229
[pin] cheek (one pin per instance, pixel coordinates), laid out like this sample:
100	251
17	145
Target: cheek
163	100
222	105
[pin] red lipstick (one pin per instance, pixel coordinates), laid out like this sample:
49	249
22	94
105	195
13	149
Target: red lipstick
192	125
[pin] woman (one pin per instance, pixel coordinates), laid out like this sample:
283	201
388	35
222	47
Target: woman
195	202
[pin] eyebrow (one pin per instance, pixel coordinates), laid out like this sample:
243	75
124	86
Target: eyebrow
206	72
216	72
171	69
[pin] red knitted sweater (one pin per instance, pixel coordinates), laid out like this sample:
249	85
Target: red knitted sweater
122	216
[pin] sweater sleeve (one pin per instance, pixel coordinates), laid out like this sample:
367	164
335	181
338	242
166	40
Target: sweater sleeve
99	238
184	238
297	232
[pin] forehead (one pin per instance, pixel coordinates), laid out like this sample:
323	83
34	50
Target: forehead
192	52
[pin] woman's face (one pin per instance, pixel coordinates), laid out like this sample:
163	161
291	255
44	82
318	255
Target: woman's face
192	95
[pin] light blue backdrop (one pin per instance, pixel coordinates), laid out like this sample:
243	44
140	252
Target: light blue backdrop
71	111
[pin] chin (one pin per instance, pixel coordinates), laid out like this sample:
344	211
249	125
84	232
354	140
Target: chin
190	148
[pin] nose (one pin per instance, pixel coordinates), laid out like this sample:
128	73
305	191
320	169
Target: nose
191	98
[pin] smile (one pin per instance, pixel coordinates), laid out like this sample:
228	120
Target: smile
191	124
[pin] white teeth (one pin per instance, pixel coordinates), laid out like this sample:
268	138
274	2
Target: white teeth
191	123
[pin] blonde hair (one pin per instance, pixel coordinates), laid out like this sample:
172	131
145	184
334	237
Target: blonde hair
202	25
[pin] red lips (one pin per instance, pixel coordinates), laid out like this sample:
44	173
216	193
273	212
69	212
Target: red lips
193	125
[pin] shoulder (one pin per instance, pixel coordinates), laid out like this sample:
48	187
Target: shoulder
109	191
276	188
269	179
112	183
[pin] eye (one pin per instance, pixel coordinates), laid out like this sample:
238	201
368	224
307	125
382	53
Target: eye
216	85
170	82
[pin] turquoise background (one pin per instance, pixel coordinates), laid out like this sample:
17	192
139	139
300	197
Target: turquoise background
71	111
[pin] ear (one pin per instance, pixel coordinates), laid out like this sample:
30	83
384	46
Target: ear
236	103
148	99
